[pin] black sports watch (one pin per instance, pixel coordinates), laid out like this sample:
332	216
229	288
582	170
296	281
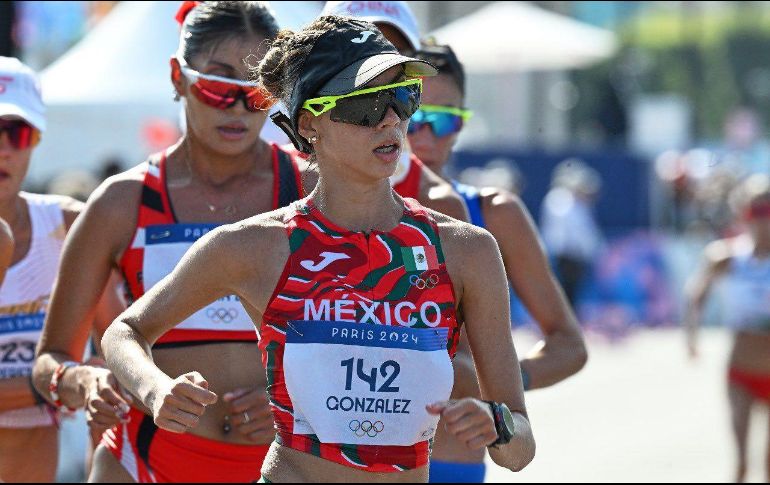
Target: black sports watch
503	423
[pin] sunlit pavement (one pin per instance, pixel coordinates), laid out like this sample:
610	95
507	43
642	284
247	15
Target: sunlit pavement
640	411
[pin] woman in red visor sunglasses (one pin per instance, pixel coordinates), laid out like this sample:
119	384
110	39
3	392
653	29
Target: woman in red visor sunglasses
37	223
142	222
741	266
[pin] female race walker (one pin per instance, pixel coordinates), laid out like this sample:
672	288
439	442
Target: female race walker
37	224
742	265
142	222
360	294
433	131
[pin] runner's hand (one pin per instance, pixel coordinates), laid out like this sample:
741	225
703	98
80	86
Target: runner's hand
469	420
107	403
249	411
180	406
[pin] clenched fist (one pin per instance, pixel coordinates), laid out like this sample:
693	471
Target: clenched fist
180	406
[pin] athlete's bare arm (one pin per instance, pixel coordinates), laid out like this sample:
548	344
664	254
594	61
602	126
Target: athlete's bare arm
716	260
476	268
88	258
110	304
562	352
437	194
243	259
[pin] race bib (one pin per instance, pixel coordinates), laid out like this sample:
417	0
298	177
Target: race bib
366	384
165	245
18	337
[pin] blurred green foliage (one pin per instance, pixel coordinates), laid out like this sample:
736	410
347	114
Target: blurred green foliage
715	56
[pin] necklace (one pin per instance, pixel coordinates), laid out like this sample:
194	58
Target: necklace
230	209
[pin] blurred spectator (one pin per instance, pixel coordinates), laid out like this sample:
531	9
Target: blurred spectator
500	173
568	226
111	166
743	145
77	184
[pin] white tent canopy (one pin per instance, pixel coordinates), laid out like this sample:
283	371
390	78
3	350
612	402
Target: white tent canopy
125	57
102	94
517	36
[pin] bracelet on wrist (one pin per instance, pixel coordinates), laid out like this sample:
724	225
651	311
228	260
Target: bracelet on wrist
56	378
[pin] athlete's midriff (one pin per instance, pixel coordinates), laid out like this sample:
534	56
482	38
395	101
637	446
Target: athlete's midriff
356	341
209	358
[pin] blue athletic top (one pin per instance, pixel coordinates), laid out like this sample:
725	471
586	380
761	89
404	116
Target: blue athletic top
472	198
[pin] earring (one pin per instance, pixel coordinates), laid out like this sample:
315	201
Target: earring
313	139
177	97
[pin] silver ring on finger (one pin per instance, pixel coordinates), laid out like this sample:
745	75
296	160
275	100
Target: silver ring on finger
246	417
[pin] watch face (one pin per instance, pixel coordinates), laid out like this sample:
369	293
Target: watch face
507	419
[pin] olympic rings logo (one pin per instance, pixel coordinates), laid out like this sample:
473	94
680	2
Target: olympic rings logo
222	315
421	284
366	428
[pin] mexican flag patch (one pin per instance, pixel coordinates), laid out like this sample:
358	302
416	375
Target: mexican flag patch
420	258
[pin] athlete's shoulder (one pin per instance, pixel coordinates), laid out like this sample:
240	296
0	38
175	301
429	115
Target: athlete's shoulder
438	194
70	208
458	231
247	245
122	184
430	181
502	206
116	200
469	250
260	226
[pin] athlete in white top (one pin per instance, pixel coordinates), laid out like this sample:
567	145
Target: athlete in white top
742	265
38	224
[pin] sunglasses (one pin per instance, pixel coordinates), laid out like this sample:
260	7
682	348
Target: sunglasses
21	134
367	107
443	120
223	92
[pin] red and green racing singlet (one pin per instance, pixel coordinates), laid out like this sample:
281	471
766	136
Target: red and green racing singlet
357	340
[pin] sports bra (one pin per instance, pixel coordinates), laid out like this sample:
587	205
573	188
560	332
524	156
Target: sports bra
473	201
357	339
160	241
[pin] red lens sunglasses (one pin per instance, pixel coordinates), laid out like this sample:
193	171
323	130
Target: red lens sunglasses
21	134
223	92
